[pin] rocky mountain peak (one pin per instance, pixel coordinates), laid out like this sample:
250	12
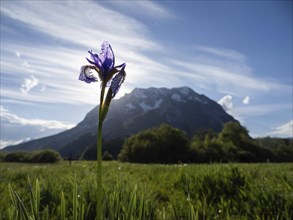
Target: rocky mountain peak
141	109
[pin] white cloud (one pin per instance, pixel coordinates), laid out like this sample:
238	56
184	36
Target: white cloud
153	8
5	143
246	100
148	8
226	102
284	130
234	78
43	89
26	65
11	118
81	23
17	53
226	53
260	110
58	66
16	129
28	84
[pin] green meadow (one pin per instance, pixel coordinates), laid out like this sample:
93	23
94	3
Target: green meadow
139	191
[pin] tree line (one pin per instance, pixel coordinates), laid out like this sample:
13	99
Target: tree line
38	156
165	144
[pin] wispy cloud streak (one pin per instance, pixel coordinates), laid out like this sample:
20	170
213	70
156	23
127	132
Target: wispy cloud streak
284	130
57	66
149	9
226	53
83	22
228	77
5	143
7	116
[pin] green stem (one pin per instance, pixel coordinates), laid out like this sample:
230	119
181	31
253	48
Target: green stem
99	167
99	156
102	102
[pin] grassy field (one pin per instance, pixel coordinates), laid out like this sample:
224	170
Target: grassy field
138	191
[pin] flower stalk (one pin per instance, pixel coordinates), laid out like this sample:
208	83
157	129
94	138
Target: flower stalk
110	76
99	171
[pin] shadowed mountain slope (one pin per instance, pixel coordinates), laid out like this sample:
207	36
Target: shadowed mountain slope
141	109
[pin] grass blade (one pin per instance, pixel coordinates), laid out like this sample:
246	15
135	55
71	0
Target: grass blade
34	198
62	206
22	207
74	202
141	208
132	204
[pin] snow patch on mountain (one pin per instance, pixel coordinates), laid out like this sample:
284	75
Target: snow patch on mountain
147	107
176	97
184	90
139	93
198	100
130	106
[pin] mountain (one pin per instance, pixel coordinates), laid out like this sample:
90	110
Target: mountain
141	109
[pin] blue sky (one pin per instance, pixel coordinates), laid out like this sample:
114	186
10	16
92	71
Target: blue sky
238	53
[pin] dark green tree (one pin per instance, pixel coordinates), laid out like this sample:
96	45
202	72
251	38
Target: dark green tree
107	156
163	144
17	156
38	156
44	156
235	133
237	136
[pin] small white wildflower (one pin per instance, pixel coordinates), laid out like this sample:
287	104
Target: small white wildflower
188	197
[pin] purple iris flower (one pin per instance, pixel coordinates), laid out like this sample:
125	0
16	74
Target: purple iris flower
104	65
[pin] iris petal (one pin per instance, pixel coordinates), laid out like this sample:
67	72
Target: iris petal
115	70
95	58
107	56
121	66
100	67
86	75
117	82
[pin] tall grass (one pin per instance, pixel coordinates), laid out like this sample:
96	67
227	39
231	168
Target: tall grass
131	191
